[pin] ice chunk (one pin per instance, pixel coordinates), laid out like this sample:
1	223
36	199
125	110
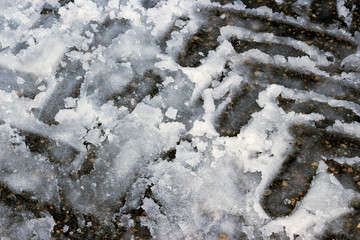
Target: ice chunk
171	113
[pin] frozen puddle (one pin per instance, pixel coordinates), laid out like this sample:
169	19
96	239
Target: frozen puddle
150	119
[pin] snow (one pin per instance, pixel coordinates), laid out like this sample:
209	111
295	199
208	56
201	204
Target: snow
128	118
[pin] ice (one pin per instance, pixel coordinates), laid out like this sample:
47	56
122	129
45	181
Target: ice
325	201
29	227
37	228
343	11
351	61
106	130
171	113
42	58
352	128
203	75
85	11
23	171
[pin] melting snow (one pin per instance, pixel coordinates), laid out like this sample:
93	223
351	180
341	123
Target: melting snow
99	82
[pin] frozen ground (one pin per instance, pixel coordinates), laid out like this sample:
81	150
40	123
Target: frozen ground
179	119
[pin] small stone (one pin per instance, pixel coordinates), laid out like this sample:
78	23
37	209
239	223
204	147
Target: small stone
284	184
223	237
315	164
